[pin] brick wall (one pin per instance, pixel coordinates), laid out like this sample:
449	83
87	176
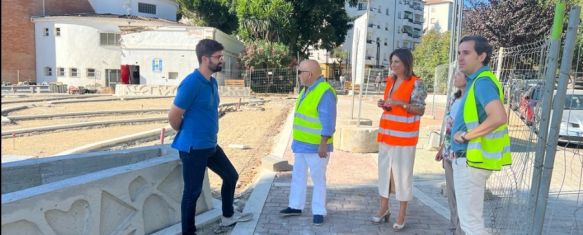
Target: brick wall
18	50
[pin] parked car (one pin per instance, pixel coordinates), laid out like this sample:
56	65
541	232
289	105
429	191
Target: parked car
571	128
517	88
528	103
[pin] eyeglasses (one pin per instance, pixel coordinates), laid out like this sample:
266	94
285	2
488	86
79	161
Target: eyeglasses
219	57
301	71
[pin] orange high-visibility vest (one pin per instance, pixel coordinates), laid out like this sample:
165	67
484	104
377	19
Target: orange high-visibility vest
397	126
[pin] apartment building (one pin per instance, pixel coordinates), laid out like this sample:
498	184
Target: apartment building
391	24
438	15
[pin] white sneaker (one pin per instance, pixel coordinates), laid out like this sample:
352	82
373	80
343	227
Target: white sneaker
237	217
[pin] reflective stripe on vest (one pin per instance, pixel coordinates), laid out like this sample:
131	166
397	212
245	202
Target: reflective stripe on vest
491	151
307	127
398	127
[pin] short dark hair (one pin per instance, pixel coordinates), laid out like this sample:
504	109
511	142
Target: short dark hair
481	45
207	47
406	57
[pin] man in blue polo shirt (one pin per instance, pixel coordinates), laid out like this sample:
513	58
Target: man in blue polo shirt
194	114
473	57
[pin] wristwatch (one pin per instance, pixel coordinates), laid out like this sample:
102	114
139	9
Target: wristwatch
463	136
405	106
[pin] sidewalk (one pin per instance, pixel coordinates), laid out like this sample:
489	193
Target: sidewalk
352	200
352	195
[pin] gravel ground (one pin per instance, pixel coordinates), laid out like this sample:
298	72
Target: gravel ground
252	125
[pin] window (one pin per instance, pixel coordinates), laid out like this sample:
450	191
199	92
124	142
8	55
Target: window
361	6
46	32
109	39
48	71
73	72
90	73
399	16
433	10
387	11
58	32
146	8
61	72
172	75
379	9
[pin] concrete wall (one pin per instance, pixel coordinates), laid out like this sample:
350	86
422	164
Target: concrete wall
163	90
18	49
165	9
70	50
175	47
140	194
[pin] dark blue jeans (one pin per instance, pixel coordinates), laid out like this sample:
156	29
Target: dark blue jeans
194	165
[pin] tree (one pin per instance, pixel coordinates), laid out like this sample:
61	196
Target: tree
263	54
264	20
322	24
508	23
433	50
219	14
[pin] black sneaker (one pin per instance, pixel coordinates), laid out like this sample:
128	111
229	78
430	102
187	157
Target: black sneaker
290	212
318	220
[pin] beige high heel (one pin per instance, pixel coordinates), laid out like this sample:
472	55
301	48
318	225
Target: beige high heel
384	217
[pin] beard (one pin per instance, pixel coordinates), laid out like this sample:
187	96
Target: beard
215	67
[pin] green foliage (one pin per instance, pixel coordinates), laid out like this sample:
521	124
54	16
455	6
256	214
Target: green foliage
433	50
263	54
508	23
322	24
264	20
212	13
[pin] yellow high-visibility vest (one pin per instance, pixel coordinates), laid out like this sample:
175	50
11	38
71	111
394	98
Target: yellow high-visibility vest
307	126
491	151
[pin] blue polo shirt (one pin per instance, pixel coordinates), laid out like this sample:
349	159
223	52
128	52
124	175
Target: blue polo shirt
200	123
327	114
485	92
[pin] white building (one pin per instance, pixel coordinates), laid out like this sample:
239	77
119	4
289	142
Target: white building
438	15
124	38
392	24
166	55
83	50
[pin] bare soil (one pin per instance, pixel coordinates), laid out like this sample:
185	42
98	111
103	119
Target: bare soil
255	126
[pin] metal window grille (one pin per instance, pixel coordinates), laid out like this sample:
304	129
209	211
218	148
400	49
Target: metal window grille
146	8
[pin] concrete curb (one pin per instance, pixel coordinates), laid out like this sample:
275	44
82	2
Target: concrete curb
116	141
46	116
14	108
262	186
49	99
202	220
108	99
78	125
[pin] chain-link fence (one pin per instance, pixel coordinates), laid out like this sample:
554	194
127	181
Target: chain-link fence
512	201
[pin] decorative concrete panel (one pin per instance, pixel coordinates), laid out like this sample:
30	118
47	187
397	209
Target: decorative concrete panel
135	198
170	90
74	221
21	227
137	186
115	214
145	90
158	214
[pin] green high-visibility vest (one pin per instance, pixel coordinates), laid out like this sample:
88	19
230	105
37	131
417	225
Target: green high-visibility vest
491	151
307	126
